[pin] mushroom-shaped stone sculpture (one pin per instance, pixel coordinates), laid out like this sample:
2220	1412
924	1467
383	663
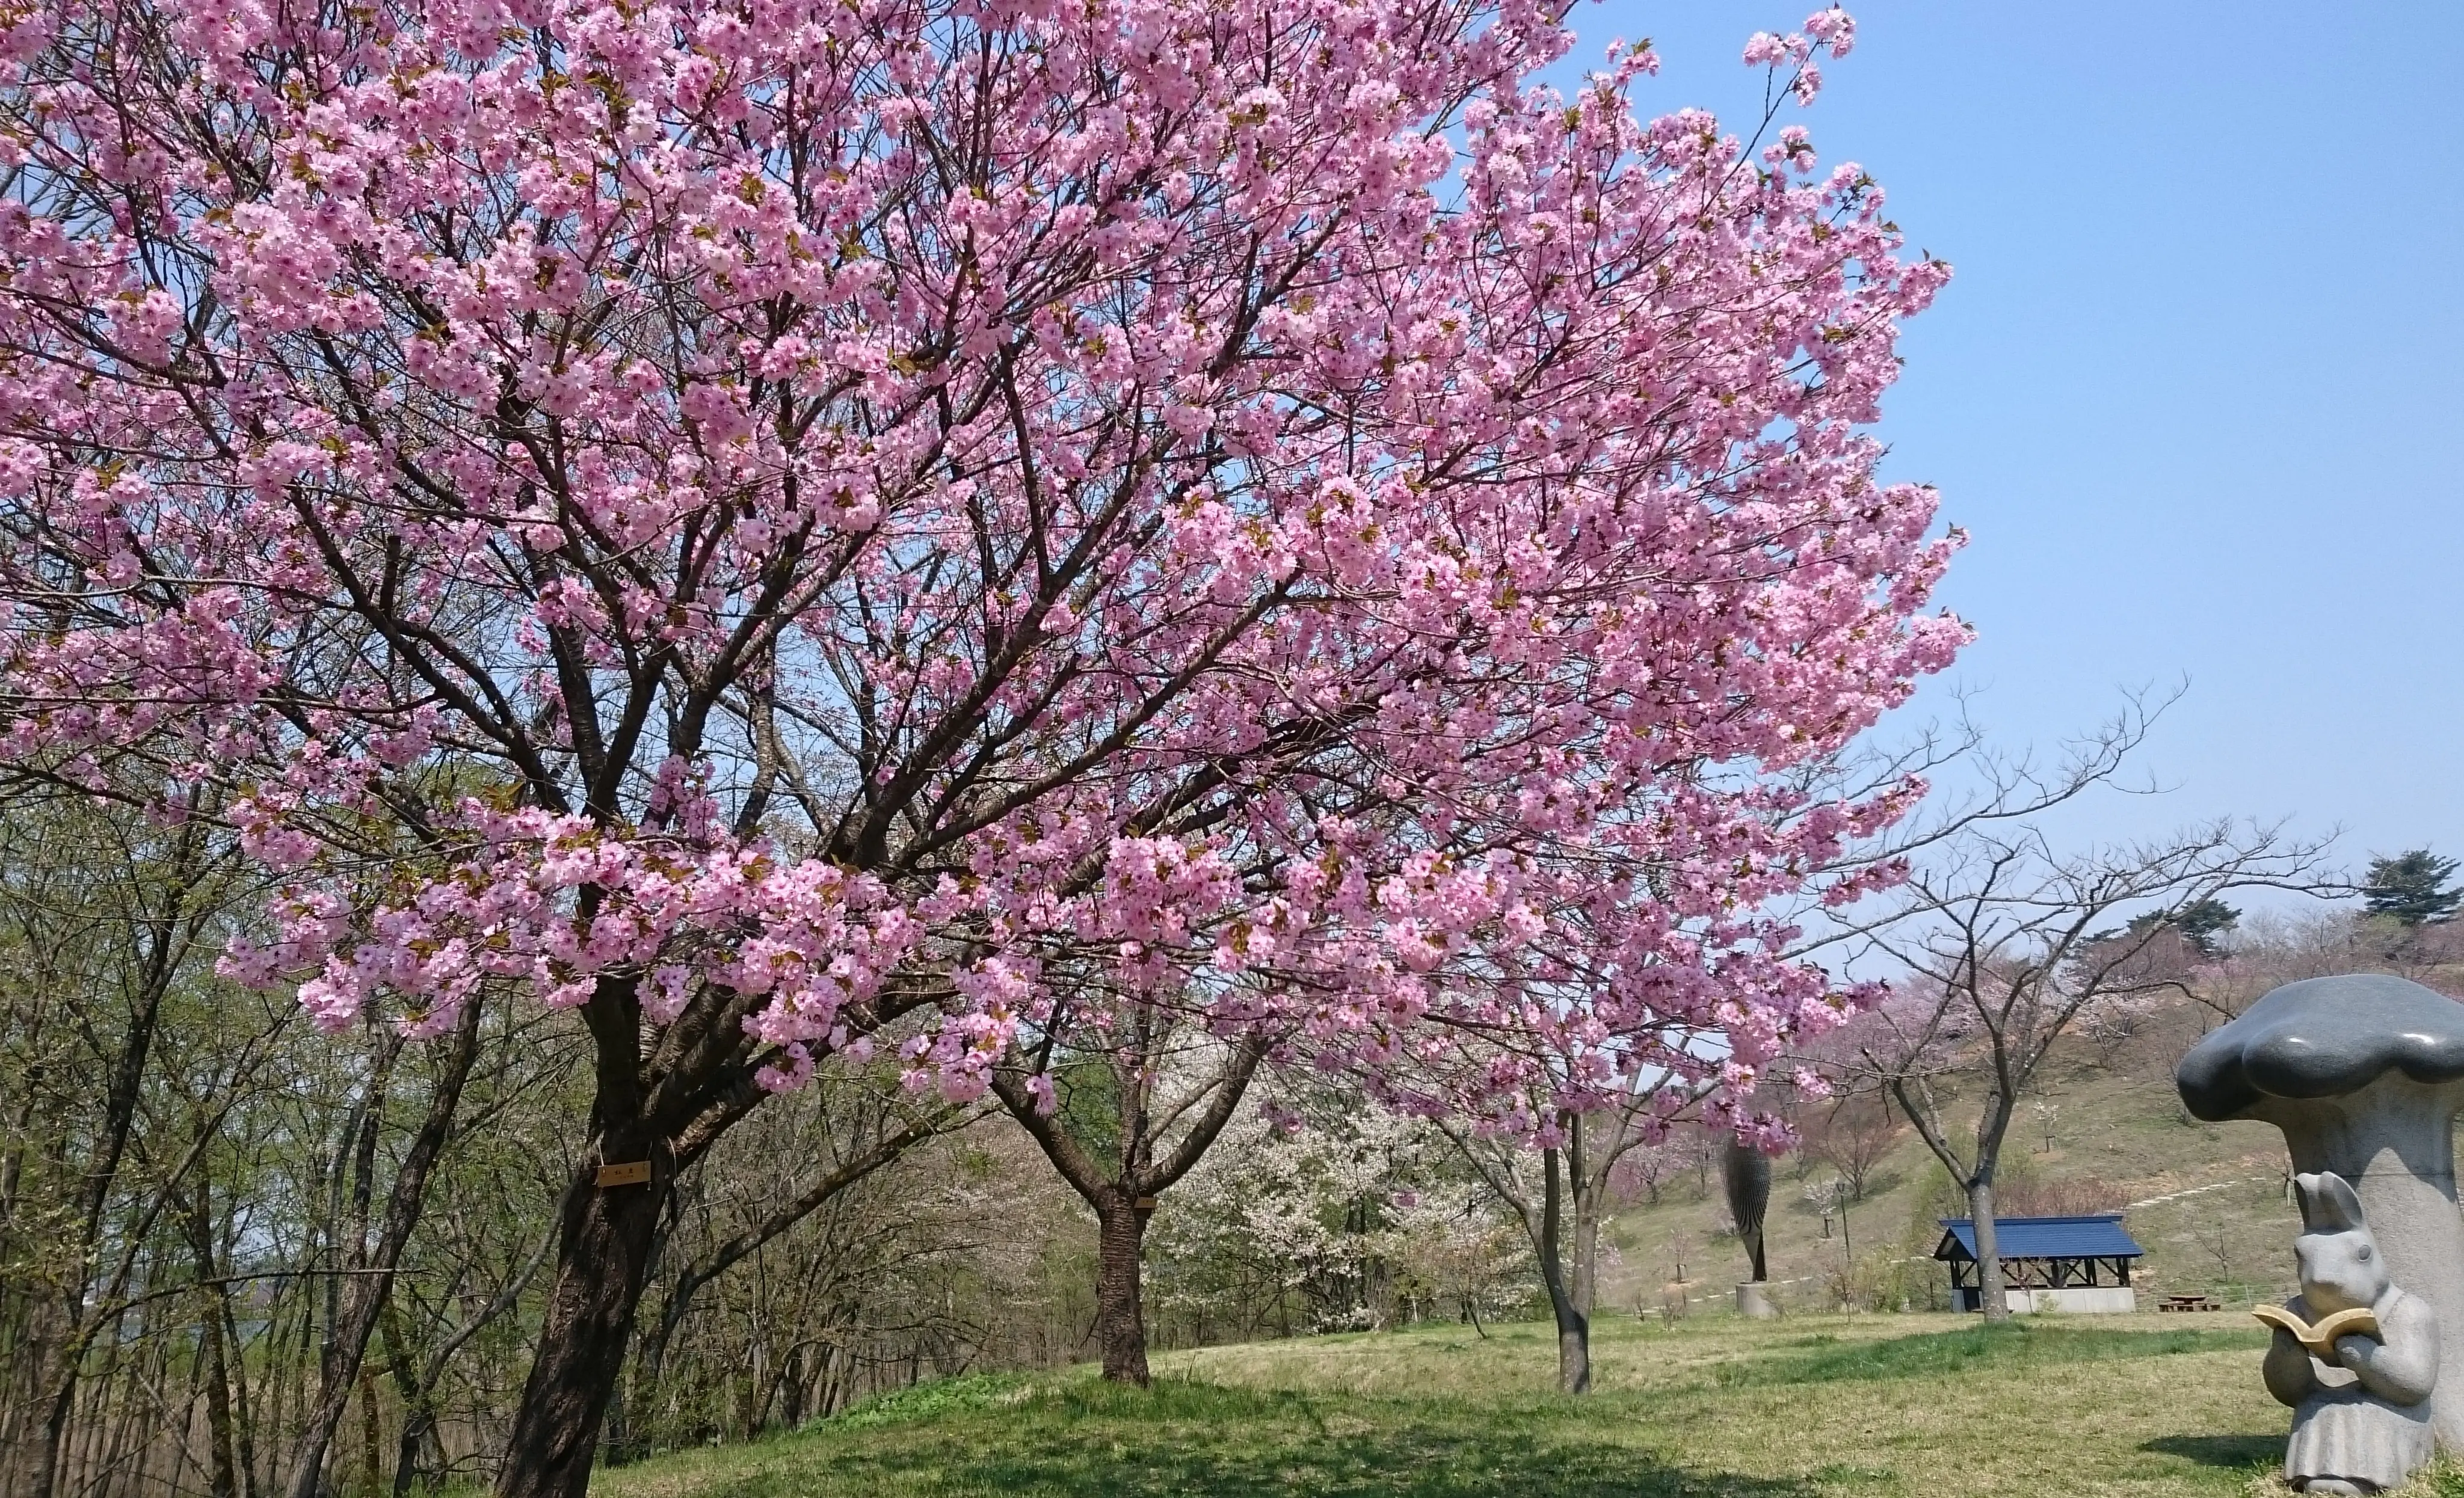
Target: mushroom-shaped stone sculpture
1747	1174
2364	1073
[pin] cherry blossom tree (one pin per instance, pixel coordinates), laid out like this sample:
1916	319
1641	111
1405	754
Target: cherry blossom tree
1348	1213
751	522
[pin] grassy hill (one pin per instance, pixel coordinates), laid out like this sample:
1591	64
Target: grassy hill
2207	1201
1925	1404
1860	1406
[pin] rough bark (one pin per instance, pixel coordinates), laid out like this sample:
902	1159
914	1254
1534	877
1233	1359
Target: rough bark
1120	1306
1990	1295
1574	1319
602	1261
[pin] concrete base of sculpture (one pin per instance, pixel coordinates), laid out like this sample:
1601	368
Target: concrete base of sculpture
1754	1301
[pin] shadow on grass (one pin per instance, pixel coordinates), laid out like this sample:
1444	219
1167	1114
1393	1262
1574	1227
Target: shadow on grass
1935	1354
2238	1452
1092	1440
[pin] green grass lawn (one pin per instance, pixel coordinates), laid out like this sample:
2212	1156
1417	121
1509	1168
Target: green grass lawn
2149	1406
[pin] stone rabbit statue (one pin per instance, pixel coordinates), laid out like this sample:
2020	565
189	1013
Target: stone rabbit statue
2360	1399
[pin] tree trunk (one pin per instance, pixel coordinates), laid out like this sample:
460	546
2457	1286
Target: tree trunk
55	1426
346	1342
418	1408
157	966
602	1261
1582	1263
1574	1348
1990	1295
1582	1269
410	1450
1124	1197
224	1479
1121	1310
665	1106
1573	1319
371	1434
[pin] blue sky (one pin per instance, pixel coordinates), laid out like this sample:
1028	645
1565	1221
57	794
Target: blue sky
2194	390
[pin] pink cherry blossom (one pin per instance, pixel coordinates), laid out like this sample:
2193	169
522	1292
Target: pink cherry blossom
391	493
771	522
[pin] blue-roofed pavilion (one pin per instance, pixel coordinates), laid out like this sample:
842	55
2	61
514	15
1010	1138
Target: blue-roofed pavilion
2048	1263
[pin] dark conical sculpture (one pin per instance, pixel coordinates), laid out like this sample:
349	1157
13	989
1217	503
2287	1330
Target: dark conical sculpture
1746	1173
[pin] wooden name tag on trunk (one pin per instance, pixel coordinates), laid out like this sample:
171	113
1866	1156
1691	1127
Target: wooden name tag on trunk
634	1174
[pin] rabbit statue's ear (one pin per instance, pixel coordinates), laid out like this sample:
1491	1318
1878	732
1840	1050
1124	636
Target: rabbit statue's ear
2327	1203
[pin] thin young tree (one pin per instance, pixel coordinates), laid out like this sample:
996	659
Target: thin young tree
746	524
1124	1104
1556	1181
1853	1134
2003	943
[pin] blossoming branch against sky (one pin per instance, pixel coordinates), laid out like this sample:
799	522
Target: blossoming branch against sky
2214	438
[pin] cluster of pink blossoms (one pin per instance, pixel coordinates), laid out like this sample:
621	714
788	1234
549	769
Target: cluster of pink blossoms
772	523
1833	31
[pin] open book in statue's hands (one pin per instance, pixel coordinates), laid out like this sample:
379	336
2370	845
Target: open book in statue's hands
2319	1338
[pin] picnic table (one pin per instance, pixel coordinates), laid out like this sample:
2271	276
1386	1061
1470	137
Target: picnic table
2190	1303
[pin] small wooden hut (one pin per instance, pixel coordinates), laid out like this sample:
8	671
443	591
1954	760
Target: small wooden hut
2048	1263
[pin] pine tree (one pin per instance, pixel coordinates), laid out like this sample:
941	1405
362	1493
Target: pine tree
2201	922
2412	887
